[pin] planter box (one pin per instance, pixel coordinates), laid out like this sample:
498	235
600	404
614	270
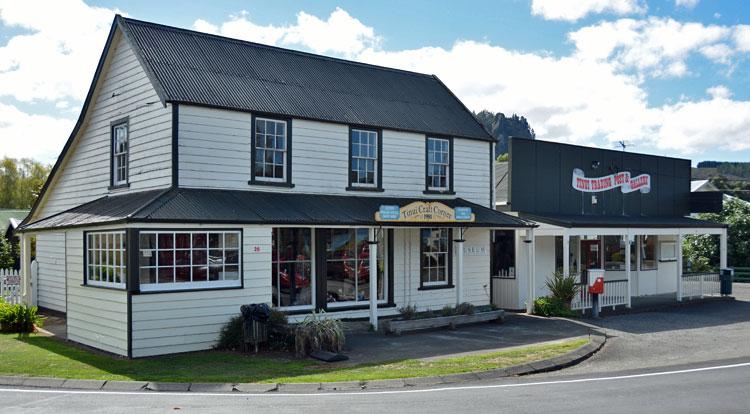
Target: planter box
399	326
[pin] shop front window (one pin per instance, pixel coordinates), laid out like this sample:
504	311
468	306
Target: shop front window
348	266
648	252
614	253
291	267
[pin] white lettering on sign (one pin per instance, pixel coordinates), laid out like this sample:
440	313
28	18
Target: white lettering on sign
476	251
622	179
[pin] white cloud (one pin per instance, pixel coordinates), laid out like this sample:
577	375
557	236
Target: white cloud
688	4
27	135
572	10
719	92
654	46
340	34
741	37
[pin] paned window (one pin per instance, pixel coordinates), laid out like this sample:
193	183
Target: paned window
364	171
120	154
438	164
270	150
435	253
106	259
291	267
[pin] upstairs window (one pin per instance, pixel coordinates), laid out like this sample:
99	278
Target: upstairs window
270	145
364	153
438	164
120	154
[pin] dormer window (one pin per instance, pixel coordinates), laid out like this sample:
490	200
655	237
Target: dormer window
120	146
271	151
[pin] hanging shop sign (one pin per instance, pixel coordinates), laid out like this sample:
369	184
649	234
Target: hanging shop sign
424	212
622	179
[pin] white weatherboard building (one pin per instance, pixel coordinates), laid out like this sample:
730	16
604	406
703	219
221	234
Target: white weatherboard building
205	173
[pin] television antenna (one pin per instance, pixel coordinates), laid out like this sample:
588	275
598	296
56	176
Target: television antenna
623	144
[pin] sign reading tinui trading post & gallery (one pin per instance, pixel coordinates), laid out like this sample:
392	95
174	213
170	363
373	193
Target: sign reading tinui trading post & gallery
424	212
622	179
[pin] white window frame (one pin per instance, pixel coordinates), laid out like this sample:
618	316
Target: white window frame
430	282
106	258
285	152
431	162
374	159
192	285
118	155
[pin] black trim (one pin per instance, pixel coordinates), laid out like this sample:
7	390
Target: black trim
379	176
79	122
112	126
449	267
321	293
117	187
134	276
278	118
102	287
132	283
364	306
390	266
427	189
175	145
130	324
492	176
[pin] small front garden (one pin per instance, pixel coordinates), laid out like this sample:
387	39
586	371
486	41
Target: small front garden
36	355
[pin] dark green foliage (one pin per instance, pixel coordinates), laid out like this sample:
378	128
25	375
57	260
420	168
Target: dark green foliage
408	312
550	306
231	336
703	251
562	288
465	308
7	258
19	318
280	334
739	169
502	127
447	311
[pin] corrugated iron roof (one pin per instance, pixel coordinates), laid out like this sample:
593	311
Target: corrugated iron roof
570	221
185	205
204	69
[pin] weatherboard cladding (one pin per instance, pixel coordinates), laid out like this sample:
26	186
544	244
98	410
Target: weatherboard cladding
210	70
185	205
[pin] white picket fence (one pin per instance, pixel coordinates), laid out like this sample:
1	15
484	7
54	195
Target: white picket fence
700	284
10	286
615	293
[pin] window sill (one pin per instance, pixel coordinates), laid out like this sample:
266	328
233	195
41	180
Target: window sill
366	189
202	289
436	287
436	192
118	187
119	289
271	183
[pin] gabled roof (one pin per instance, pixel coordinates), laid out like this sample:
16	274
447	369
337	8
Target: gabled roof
203	69
186	205
11	217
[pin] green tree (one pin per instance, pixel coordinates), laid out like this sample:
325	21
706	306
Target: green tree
21	182
6	254
702	250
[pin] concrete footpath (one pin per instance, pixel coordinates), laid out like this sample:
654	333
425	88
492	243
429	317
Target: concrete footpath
556	363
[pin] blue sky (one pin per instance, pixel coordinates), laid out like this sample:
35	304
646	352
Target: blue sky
669	76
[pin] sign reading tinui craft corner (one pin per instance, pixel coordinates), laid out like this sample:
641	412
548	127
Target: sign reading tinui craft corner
424	212
622	179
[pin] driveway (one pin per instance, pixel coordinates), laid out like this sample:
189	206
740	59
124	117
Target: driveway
701	332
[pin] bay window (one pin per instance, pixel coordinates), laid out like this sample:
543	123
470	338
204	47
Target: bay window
106	259
179	260
435	257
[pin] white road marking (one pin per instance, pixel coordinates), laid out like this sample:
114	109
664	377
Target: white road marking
425	390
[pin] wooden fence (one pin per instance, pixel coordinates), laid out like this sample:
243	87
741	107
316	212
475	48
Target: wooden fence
10	286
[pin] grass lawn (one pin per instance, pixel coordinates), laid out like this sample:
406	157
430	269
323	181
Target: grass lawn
40	356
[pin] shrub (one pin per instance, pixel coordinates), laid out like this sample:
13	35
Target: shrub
408	312
19	318
317	332
562	288
447	311
551	306
231	335
465	308
280	335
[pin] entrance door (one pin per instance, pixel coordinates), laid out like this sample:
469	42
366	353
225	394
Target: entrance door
591	257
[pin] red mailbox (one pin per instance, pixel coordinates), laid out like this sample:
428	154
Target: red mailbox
597	287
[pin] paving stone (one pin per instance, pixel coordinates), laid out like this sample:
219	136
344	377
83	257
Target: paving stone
12	380
385	384
78	384
168	386
342	386
211	387
124	385
255	387
300	387
43	382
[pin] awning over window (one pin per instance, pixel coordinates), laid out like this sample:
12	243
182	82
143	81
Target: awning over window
571	221
251	207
